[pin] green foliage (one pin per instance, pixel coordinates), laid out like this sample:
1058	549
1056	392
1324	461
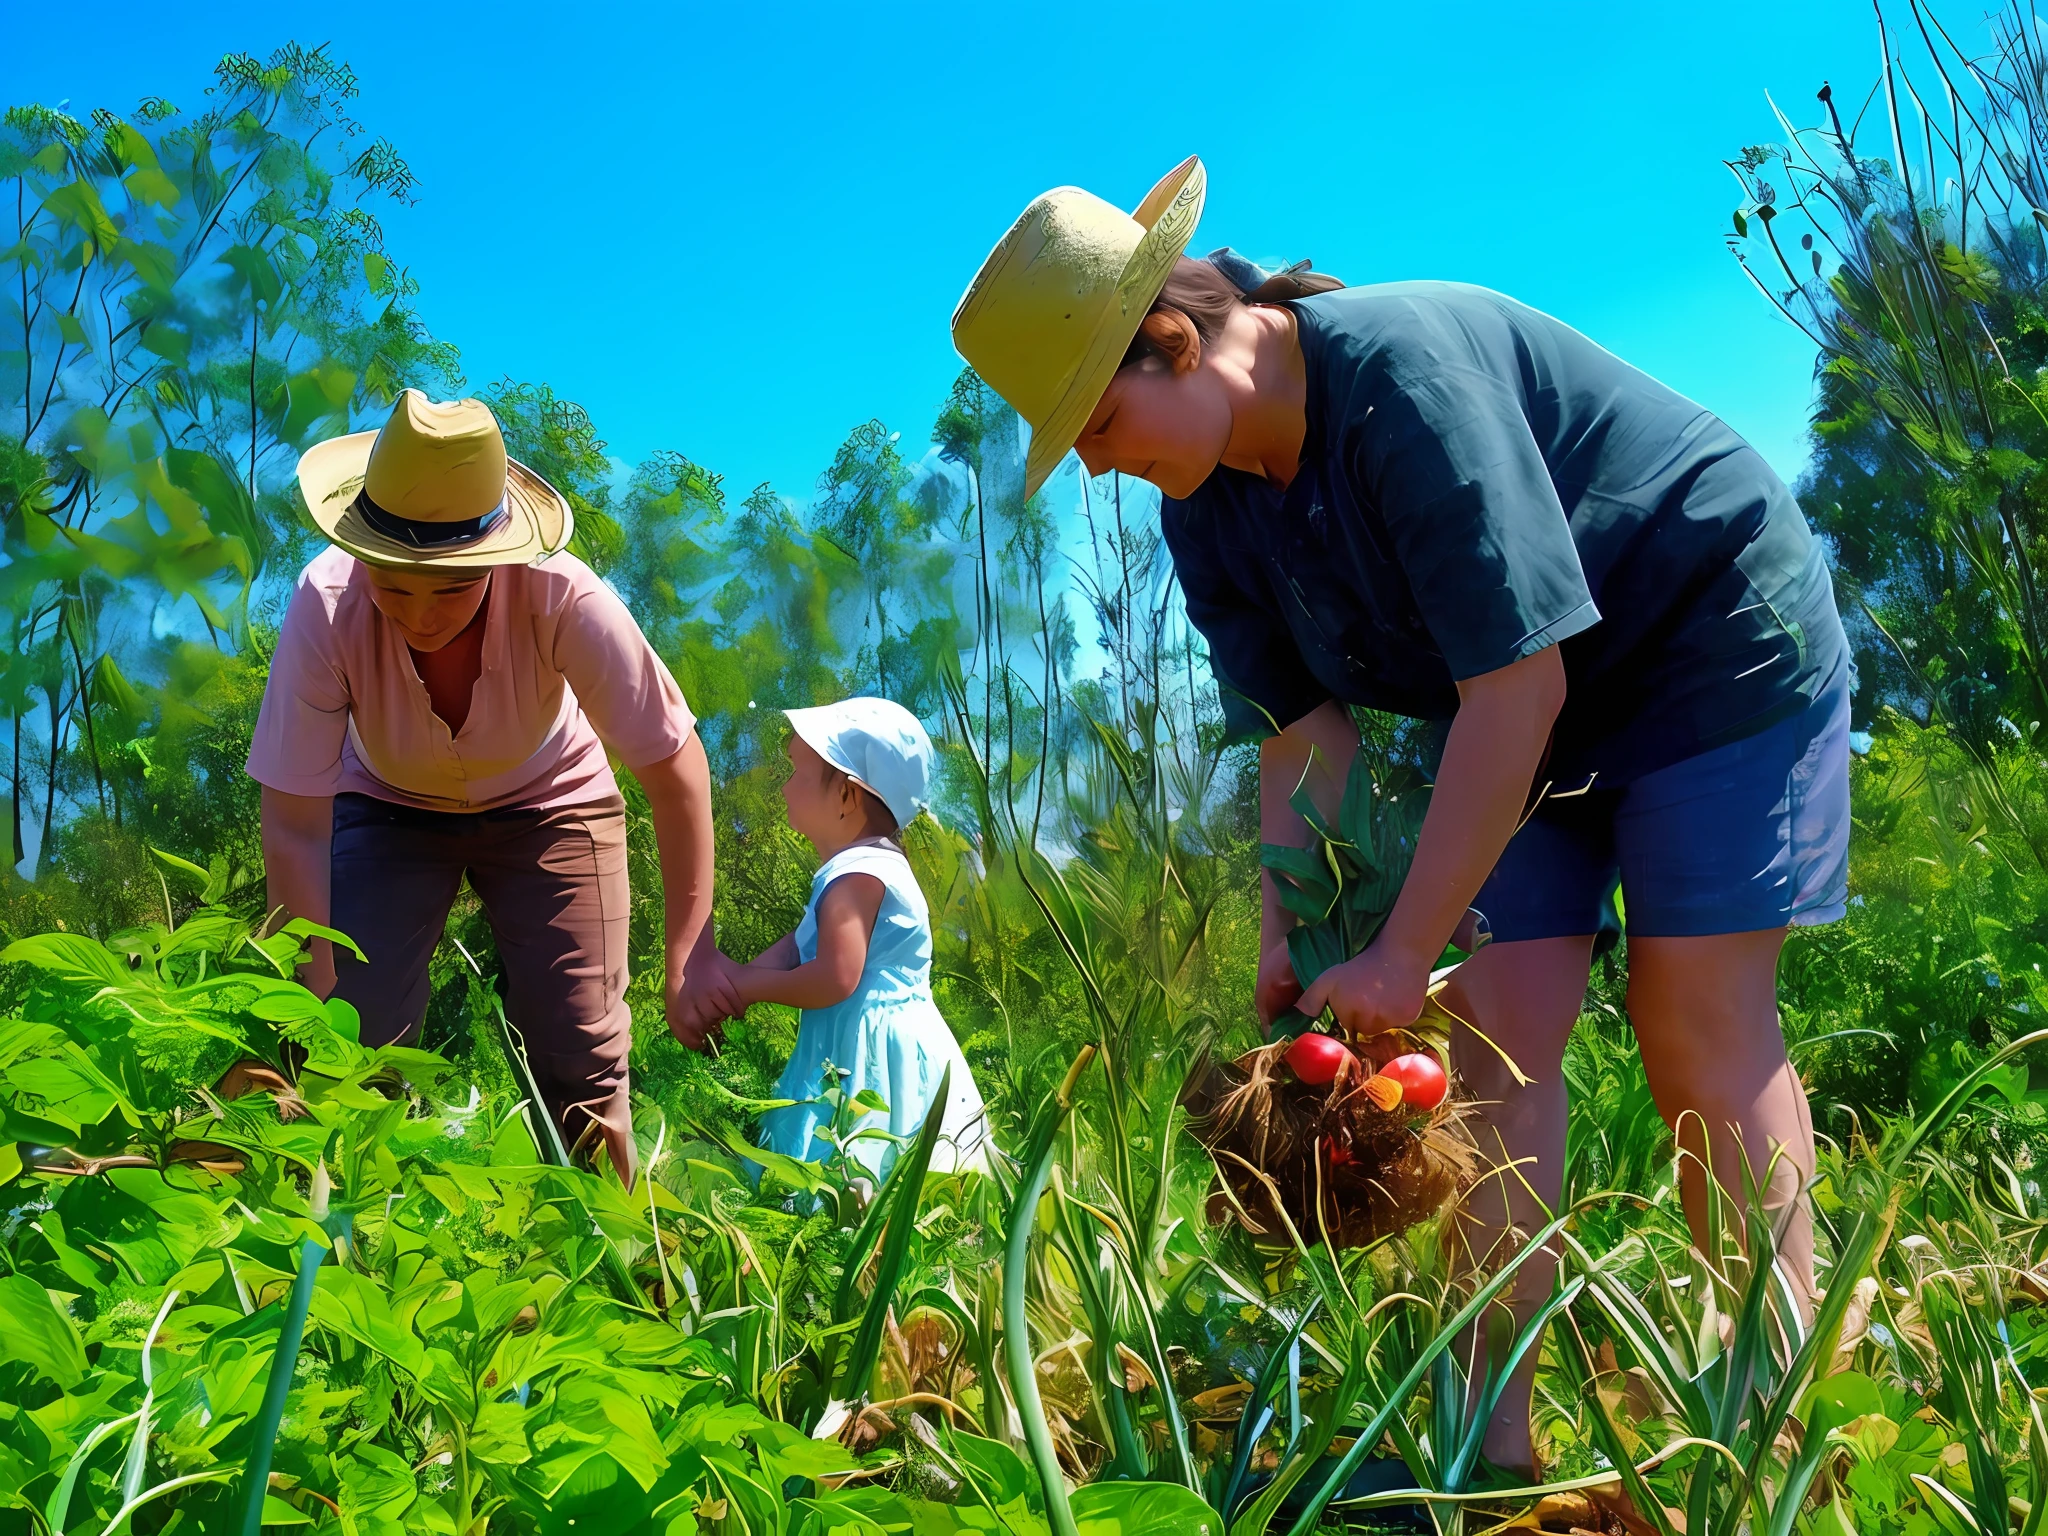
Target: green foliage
494	1340
1341	888
190	301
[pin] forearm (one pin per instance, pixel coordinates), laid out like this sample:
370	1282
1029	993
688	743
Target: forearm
1496	744
1316	752
298	835
679	799
814	984
295	874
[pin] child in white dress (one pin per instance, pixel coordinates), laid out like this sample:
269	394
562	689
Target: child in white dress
859	964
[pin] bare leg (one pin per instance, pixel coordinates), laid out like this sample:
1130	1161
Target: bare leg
1526	997
1705	1012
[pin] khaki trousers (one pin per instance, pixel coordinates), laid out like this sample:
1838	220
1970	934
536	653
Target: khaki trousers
553	884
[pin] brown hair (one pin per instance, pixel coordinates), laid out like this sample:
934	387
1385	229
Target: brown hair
1200	291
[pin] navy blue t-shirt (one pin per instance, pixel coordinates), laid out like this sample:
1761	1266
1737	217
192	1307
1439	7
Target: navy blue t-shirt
1478	482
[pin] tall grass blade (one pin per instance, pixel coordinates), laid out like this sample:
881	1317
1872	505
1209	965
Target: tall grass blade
1023	1368
285	1362
899	1193
1286	1357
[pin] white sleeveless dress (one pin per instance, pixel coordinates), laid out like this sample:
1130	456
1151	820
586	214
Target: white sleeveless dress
887	1036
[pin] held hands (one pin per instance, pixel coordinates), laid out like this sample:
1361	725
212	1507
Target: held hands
707	997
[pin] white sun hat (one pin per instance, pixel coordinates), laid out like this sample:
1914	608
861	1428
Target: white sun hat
877	742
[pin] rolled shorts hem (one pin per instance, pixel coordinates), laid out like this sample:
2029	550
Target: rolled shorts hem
1749	837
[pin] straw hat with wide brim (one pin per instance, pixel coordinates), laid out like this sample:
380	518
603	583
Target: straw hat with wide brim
1049	317
433	488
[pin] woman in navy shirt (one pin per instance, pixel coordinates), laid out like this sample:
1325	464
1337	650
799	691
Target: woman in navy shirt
1429	499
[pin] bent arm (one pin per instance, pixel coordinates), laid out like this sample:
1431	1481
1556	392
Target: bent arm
1320	745
846	921
298	835
780	956
679	798
1496	744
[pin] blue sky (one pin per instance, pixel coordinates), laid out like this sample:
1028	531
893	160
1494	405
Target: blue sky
739	230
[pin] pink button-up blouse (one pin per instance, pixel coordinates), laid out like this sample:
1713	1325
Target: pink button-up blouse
566	672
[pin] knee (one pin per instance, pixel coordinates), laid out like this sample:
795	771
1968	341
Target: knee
1709	1052
1505	1043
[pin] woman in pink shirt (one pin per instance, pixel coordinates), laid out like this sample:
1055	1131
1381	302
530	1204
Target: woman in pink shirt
444	690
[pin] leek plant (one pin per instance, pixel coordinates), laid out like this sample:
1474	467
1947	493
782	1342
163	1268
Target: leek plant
1735	1400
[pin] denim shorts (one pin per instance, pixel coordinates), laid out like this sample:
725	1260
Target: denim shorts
1749	836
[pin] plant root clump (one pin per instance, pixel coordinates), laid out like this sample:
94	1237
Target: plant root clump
1341	1167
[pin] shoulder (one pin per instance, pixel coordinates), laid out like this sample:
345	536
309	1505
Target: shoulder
1390	326
328	575
564	600
562	587
1382	312
551	585
331	585
886	866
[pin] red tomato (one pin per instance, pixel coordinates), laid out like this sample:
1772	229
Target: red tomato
1421	1077
1317	1059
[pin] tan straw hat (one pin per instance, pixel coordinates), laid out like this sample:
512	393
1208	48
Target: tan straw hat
432	488
1050	315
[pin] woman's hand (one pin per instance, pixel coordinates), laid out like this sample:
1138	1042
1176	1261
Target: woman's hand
1372	993
1277	990
708	997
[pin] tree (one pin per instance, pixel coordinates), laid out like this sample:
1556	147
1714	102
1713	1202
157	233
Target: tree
190	302
1918	274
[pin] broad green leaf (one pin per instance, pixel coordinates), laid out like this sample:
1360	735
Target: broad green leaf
150	185
1848	1394
168	342
37	1334
1142	1509
998	1469
807	1177
353	1304
257	271
71	956
79	206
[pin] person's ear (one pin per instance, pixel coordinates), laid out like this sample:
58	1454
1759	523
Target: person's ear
1174	334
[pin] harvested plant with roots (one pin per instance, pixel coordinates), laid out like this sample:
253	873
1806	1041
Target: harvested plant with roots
1346	1158
1327	1160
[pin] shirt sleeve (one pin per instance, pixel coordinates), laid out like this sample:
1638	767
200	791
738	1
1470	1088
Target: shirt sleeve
1261	679
626	693
1448	458
296	748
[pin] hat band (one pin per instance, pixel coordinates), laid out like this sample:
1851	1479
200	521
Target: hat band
423	535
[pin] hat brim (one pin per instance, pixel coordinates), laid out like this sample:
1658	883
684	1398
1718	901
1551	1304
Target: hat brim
1171	210
538	521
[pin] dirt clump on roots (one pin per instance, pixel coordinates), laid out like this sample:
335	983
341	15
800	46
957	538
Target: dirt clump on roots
1342	1168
